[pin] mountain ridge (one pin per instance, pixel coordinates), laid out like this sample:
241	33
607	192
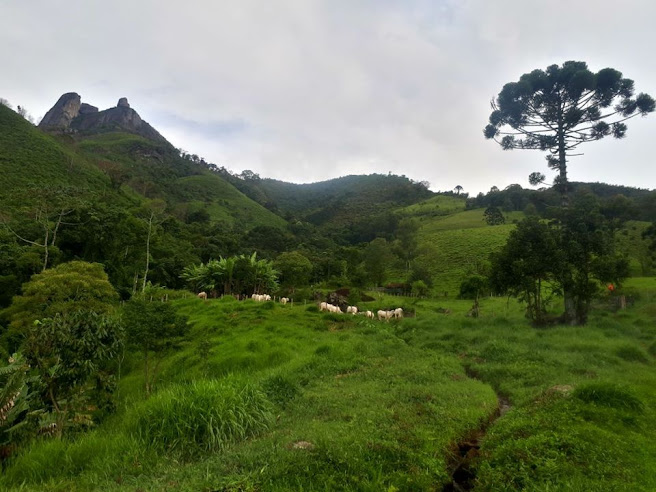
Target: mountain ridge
70	114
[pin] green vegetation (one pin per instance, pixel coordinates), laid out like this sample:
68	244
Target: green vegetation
169	391
364	404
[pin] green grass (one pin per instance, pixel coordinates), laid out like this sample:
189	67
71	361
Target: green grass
436	206
225	203
288	398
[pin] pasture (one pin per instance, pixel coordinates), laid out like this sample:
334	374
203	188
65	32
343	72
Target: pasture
263	396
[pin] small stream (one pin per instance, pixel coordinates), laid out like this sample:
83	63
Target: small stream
463	467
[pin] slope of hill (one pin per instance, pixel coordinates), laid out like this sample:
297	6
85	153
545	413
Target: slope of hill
456	245
28	157
156	170
342	200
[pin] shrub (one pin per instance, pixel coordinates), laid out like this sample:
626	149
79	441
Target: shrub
609	395
202	416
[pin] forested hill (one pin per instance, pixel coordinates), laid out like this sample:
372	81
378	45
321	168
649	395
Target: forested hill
97	196
349	209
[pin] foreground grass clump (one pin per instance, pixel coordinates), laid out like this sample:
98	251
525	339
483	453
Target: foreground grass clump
205	415
97	453
609	395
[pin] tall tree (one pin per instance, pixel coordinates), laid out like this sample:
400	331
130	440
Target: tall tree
558	109
152	215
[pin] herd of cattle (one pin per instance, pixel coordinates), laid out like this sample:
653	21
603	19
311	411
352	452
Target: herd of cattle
382	314
324	306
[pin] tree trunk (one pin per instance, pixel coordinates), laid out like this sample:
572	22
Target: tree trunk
150	227
570	304
45	253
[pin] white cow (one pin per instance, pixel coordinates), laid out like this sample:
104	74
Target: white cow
323	306
369	314
352	309
202	295
284	300
398	313
334	309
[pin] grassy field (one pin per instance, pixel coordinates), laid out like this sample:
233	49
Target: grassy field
271	397
455	245
436	206
225	203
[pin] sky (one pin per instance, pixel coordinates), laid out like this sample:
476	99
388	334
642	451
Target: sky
309	90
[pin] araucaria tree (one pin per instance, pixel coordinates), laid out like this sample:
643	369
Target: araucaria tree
559	109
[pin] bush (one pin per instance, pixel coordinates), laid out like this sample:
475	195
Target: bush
202	416
609	395
419	288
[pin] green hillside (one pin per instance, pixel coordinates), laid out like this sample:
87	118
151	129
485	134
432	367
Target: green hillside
436	206
157	171
454	242
341	201
29	157
224	202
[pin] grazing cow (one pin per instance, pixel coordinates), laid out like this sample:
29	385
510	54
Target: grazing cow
381	315
369	314
352	309
266	297
398	313
323	306
334	309
202	295
284	300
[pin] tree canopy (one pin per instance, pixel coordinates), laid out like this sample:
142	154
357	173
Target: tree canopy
557	109
69	287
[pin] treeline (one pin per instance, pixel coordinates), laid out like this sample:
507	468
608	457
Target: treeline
616	202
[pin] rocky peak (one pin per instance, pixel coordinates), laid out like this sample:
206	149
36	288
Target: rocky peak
63	112
87	108
70	115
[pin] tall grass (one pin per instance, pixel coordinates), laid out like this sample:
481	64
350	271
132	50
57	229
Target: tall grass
205	415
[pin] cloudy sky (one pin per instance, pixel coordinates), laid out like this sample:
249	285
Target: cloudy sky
307	90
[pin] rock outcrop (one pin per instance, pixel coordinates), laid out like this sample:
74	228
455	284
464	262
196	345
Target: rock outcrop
69	114
62	113
87	108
